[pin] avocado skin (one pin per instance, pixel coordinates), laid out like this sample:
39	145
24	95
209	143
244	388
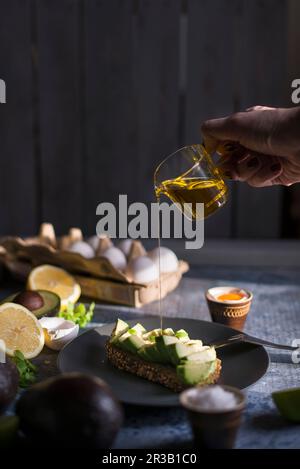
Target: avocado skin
9	382
72	410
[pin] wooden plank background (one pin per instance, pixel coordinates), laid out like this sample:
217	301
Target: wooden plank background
18	196
210	79
58	42
99	91
262	55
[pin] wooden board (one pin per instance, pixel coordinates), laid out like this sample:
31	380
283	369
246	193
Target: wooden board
59	90
18	197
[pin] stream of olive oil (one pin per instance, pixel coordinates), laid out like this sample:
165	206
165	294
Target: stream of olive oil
211	192
159	267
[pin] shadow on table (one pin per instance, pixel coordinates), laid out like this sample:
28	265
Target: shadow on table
269	421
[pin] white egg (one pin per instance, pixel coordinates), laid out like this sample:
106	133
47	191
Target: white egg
116	257
125	246
93	241
142	270
83	248
168	259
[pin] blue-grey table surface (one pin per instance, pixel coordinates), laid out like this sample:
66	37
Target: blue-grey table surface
274	315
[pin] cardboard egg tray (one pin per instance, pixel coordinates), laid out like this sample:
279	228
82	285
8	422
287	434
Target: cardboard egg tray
98	278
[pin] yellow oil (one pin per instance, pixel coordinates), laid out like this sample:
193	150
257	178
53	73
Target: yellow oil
159	279
211	192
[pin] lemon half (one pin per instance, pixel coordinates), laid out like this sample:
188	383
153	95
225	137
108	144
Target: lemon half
57	280
20	330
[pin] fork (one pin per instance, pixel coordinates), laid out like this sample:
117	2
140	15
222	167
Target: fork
237	338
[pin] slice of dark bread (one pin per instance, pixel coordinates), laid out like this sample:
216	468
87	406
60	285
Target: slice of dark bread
162	374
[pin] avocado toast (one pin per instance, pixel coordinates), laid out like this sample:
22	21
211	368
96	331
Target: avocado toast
165	356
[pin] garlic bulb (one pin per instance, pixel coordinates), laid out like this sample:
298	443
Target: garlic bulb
168	259
58	332
83	248
142	270
116	257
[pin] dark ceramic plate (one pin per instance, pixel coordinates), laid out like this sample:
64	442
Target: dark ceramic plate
242	364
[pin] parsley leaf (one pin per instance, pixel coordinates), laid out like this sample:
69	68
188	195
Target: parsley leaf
78	313
27	370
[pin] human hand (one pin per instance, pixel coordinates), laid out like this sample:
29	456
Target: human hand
265	146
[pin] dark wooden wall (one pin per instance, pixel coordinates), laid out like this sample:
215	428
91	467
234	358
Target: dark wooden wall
99	91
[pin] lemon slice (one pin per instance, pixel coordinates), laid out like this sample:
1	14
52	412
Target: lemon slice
57	280
288	403
20	330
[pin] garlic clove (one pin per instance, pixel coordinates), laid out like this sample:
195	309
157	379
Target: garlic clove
58	331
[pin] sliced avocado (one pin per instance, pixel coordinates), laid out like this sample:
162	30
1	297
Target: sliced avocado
207	354
137	329
194	342
180	350
152	334
182	335
151	353
143	353
120	328
132	343
50	306
192	373
162	342
168	331
123	336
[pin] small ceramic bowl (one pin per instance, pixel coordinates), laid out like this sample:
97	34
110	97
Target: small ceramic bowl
213	428
231	312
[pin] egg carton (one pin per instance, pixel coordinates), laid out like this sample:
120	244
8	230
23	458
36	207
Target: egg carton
98	278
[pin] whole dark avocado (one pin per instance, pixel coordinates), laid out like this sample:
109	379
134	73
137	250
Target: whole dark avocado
9	381
71	410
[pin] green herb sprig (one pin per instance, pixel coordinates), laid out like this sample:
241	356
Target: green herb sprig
27	371
78	313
